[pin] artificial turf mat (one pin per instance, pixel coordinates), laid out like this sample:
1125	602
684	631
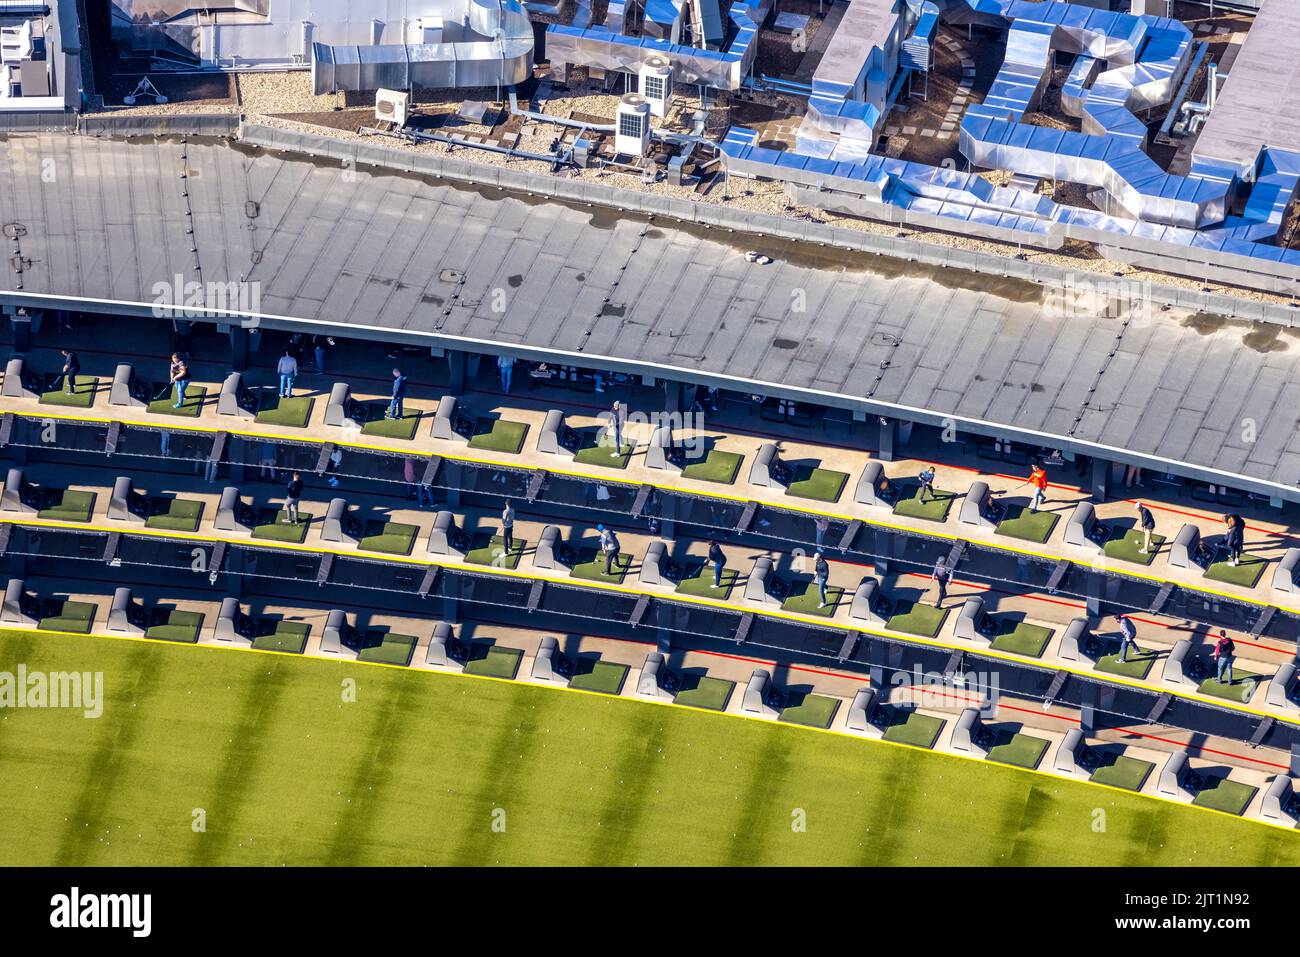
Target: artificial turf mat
700	582
911	727
1241	690
812	710
1124	545
407	772
593	453
1123	772
294	412
189	409
917	618
82	397
705	692
1022	638
391	537
1022	750
1027	526
821	485
499	435
75	616
491	550
175	625
174	515
804	599
392	650
383	427
1137	666
72	506
1245	574
717	466
1225	795
934	509
288	636
591	567
272	527
493	661
606	677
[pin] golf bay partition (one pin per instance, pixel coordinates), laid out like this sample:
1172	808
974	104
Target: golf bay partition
141	449
215	569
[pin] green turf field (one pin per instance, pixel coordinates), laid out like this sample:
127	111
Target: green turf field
1246	574
822	485
1022	638
917	618
68	505
81	397
381	426
717	466
293	412
1026	525
410	772
1126	545
932	509
499	435
174	514
193	405
594	451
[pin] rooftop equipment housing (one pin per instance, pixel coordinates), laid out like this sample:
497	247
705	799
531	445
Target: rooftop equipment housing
632	131
657	83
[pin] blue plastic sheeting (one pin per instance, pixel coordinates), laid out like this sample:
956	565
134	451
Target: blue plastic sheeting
662	12
1180	206
724	69
992	135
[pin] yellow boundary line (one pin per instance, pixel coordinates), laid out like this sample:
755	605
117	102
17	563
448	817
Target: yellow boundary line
431	561
637	699
723	496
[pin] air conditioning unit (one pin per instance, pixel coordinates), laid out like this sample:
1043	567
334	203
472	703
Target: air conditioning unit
656	82
391	106
632	132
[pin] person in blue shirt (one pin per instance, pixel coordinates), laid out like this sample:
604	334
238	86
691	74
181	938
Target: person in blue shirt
399	392
926	478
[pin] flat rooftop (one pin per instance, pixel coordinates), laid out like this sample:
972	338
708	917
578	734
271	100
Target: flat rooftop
394	256
1259	103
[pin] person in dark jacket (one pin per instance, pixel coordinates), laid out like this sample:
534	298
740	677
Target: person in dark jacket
1146	522
822	575
292	493
1235	538
719	560
71	369
399	392
942	575
609	547
1127	637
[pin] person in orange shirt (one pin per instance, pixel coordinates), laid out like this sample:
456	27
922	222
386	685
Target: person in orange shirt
1038	479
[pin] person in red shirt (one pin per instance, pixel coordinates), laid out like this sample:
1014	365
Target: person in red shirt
1224	654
